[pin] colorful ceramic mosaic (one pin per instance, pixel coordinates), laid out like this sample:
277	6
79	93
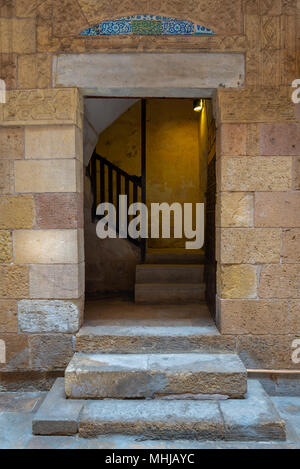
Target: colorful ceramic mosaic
143	25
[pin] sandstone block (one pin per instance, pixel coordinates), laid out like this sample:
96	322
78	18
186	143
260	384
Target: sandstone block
291	246
8	316
6	177
34	71
38	316
42	107
14	281
5	247
23	35
17	352
271	352
256	174
256	104
26	8
250	245
280	209
233	139
51	352
47	247
237	281
254	317
235	209
56	281
57	211
52	142
11	143
280	281
45	176
16	212
279	139
294	316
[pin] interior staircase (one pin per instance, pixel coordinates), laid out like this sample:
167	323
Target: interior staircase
160	372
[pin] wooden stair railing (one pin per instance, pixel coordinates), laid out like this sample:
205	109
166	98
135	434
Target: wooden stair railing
108	181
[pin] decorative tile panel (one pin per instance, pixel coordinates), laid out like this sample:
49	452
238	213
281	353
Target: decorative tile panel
146	25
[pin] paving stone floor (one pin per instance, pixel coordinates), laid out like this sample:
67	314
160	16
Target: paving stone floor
17	410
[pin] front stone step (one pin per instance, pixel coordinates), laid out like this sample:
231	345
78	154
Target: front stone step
169	293
99	376
155	273
252	419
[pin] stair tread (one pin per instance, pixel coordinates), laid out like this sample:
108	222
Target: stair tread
254	418
208	362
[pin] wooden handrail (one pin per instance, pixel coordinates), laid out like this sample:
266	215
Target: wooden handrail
106	181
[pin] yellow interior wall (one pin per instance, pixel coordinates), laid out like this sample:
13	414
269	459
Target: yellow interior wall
176	156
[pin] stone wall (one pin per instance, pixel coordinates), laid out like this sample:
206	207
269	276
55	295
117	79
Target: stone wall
257	162
41	229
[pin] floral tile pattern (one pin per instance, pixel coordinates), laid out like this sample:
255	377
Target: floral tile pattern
143	25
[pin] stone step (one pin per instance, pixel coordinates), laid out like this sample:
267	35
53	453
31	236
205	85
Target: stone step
252	419
167	256
169	293
168	273
99	376
152	339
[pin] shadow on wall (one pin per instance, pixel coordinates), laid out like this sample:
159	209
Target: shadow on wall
110	263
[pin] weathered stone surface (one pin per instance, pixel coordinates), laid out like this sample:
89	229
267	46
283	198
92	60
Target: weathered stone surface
17	352
57	415
26	8
14	281
291	246
165	273
280	281
5	247
250	246
147	339
11	143
164	293
238	281
270	352
258	104
34	71
17	35
55	211
254	317
152	71
131	376
56	281
8	316
45	176
279	139
42	107
233	139
6	177
296	174
280	209
51	142
235	209
51	352
37	316
254	418
47	247
153	419
294	316
256	174
16	212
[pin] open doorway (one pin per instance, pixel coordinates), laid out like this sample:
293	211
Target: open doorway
153	151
